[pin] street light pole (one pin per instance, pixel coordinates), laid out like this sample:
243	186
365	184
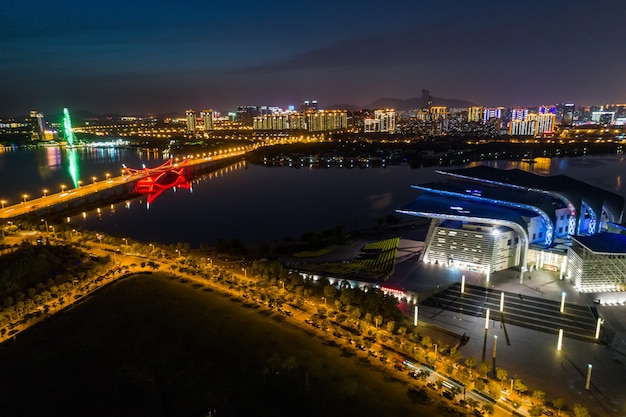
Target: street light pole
588	382
493	356
487	320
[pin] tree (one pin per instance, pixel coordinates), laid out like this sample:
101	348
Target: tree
479	384
463	375
494	389
488	408
391	326
501	374
470	363
378	320
558	403
580	411
535	411
539	396
519	386
368	317
330	291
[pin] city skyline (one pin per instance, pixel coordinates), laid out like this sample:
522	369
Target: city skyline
154	58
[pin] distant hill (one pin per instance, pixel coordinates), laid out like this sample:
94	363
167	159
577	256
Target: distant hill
405	105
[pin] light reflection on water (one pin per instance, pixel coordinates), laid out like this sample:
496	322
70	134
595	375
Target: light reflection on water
256	203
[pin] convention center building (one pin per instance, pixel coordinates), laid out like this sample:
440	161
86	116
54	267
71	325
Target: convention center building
486	219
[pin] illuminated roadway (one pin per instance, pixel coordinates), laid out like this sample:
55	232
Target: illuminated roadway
82	191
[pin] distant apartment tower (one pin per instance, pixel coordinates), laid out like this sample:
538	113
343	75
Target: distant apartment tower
207	118
545	123
191	120
37	123
519	114
438	112
280	121
534	124
383	121
307	105
492	113
326	120
567	112
475	114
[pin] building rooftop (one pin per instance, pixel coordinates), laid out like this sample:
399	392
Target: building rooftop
610	243
574	190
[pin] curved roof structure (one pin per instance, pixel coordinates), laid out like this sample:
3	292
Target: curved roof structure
572	191
540	203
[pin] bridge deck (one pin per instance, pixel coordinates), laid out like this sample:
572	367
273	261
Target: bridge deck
31	206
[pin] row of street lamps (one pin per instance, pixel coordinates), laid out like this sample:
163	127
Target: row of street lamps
46	191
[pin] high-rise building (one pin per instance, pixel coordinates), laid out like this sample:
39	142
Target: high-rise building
492	113
326	120
567	118
534	124
475	114
37	123
207	118
191	120
438	112
383	121
519	114
307	105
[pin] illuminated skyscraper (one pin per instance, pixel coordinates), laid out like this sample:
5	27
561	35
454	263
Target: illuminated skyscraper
191	120
568	114
474	114
492	113
37	123
207	118
326	120
383	121
308	105
519	114
534	124
438	112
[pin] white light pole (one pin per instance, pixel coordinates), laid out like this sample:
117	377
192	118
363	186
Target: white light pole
493	356
599	323
415	316
559	343
588	382
562	301
462	284
501	301
487	320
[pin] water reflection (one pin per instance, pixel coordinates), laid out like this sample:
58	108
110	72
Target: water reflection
72	156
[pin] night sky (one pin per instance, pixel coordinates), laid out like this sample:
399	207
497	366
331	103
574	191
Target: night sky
125	56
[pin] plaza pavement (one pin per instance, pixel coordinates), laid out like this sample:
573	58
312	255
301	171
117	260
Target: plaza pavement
528	354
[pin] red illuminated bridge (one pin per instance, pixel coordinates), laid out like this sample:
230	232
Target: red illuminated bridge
147	181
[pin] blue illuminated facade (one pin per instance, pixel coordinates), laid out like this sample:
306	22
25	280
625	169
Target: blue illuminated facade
488	219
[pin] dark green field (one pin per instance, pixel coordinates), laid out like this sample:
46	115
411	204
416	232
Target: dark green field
152	346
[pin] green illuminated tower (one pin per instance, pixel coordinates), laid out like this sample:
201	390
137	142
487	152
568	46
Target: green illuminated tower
67	128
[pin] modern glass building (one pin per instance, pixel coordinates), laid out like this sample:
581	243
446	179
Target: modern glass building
487	219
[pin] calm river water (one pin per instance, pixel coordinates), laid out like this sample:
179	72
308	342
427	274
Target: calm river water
249	202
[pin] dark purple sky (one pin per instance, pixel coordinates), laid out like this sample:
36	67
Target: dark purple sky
156	56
